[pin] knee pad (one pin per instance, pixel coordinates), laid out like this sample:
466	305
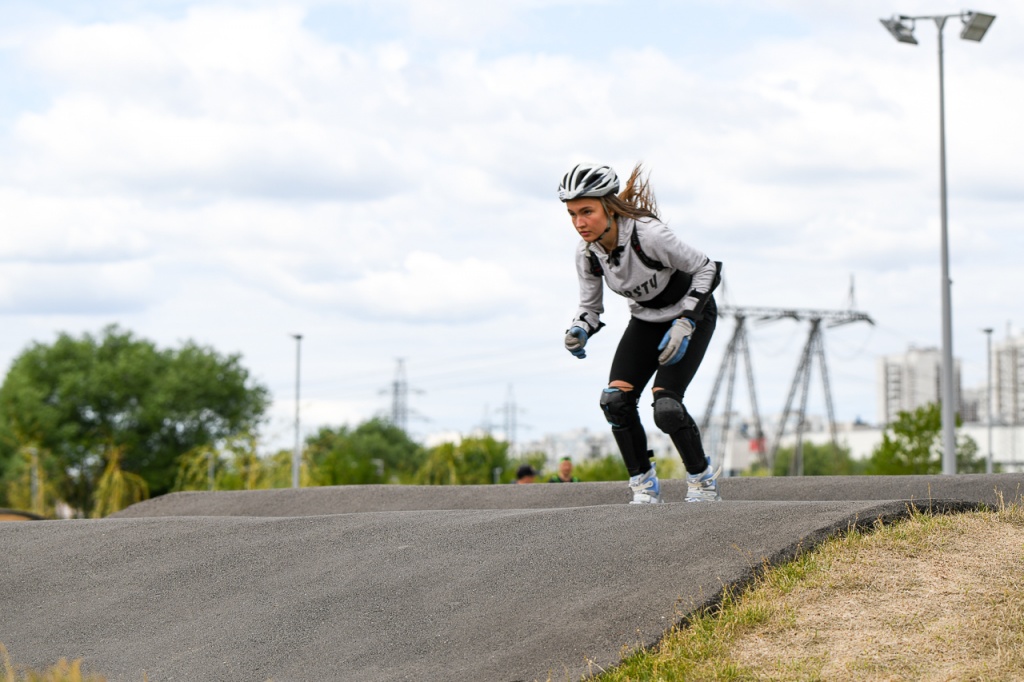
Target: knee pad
619	408
669	414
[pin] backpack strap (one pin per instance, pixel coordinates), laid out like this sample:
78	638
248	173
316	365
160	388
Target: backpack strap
634	241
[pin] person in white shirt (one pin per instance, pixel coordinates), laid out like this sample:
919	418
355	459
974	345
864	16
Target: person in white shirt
673	313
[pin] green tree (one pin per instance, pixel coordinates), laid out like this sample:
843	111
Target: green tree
235	464
472	461
29	483
818	460
607	468
80	397
116	488
376	451
912	445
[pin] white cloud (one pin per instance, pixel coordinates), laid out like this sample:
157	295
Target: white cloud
231	173
95	289
431	288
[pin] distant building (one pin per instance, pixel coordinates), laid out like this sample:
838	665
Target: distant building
972	405
912	380
1008	381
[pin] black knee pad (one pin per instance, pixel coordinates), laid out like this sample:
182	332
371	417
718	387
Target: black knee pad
619	408
669	414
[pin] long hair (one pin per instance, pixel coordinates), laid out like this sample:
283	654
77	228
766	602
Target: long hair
636	200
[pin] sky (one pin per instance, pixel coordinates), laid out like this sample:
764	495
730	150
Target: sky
380	177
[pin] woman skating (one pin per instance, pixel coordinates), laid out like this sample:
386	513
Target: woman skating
669	286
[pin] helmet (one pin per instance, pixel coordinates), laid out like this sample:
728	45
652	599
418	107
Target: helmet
586	180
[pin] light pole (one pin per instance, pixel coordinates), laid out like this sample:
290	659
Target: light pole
988	391
902	29
297	454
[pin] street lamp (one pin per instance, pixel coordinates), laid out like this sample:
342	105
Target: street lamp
988	410
297	454
902	29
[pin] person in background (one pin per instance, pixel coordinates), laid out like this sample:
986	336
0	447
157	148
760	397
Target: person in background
626	247
526	474
564	474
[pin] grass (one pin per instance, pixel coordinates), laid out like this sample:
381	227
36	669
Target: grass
928	598
62	671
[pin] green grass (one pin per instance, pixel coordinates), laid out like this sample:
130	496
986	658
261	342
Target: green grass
973	628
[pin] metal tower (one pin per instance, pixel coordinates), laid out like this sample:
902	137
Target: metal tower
815	347
400	398
510	411
737	346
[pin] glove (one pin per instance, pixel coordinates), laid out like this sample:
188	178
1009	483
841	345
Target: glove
673	345
575	339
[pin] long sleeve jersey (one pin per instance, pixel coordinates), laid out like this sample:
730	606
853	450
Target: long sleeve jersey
686	279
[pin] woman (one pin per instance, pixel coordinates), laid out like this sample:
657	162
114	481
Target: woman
673	314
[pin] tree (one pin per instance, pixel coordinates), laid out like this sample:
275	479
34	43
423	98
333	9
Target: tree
79	398
819	460
912	445
472	461
116	488
607	468
30	486
235	464
376	451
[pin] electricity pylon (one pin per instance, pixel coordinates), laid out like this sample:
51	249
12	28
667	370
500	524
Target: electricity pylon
815	347
737	346
399	390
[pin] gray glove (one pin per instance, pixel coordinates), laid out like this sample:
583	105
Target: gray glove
673	345
575	339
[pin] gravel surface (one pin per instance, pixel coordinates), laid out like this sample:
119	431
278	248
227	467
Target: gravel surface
413	582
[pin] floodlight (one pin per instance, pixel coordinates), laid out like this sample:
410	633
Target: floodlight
900	31
975	25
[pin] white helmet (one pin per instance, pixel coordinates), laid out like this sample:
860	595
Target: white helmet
586	180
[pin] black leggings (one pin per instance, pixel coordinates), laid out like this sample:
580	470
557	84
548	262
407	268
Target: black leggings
635	362
636	358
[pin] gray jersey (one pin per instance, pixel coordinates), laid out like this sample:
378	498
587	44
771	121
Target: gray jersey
627	275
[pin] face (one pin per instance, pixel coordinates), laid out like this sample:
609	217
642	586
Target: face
588	217
565	468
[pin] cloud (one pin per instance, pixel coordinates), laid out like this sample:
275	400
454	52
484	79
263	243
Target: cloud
234	171
63	289
56	229
428	288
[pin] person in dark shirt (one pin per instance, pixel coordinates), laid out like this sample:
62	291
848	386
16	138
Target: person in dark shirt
526	474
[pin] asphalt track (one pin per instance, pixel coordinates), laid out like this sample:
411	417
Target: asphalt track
413	582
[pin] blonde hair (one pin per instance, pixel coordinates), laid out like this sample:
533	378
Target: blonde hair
636	200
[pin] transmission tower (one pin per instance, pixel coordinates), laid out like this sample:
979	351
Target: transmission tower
510	411
400	397
814	348
737	347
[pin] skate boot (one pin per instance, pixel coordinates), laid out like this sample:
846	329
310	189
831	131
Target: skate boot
646	488
702	487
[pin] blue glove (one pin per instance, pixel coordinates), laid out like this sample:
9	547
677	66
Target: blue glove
675	342
575	339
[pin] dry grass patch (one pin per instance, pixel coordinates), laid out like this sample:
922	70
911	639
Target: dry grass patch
62	671
928	598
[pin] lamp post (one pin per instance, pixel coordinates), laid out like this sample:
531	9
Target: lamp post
988	391
297	454
902	29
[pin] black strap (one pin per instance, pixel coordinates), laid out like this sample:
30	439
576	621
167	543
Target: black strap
678	286
634	240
